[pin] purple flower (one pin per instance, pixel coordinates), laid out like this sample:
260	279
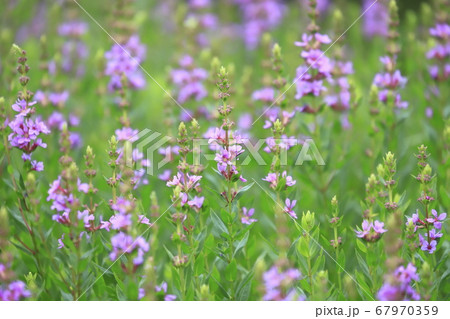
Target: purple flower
196	202
163	289
144	220
401	287
289	180
120	221
165	176
26	131
122	205
371	231
272	178
390	82
259	16
434	234
266	95
15	291
437	220
23	108
376	18
189	81
60	241
86	218
127	134
73	28
247	216
278	284
125	61
58	98
124	244
289	206
429	246
245	121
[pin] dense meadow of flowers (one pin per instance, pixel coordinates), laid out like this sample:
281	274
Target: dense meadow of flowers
224	150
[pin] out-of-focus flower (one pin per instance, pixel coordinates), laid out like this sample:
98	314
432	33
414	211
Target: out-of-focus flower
375	19
189	80
124	61
400	285
247	216
279	284
125	244
15	291
259	16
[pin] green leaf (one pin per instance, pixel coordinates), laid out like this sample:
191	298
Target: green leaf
303	246
241	244
231	271
361	246
243	190
199	267
119	293
244	288
210	243
217	222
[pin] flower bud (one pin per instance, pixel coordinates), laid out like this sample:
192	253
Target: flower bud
30	183
205	295
334	201
427	170
276	51
308	221
380	170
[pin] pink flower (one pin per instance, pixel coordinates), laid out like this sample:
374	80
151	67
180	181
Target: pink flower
247	214
289	206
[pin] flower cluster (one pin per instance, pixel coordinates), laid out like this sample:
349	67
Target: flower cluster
399	287
57	120
340	100
74	49
428	242
228	150
440	53
123	64
122	218
389	82
62	200
259	16
26	131
189	80
161	292
122	221
138	160
316	68
15	291
186	183
278	284
280	181
223	140
123	243
430	223
200	18
375	19
371	231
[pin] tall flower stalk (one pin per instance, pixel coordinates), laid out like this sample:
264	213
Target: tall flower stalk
428	220
390	81
186	203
